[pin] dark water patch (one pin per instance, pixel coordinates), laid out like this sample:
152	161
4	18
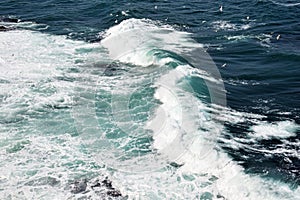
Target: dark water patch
272	158
101	188
43	181
18	146
9	19
4	28
79	186
111	191
65	78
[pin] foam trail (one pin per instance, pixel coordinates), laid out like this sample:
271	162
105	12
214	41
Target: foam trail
282	129
285	4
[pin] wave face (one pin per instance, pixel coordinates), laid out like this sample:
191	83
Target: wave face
145	107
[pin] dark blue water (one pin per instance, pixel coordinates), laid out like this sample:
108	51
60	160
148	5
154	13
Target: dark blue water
254	44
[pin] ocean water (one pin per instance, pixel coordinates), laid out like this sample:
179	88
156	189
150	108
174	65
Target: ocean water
150	99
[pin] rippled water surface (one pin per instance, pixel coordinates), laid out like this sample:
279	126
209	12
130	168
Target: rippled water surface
149	99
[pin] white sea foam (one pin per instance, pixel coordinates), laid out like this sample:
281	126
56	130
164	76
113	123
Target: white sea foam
265	39
37	157
171	122
133	34
32	61
228	26
286	4
224	25
243	82
237	37
282	129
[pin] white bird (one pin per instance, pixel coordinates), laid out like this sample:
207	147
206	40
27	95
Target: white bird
278	36
221	9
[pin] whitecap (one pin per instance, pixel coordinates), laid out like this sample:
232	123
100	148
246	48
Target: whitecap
282	129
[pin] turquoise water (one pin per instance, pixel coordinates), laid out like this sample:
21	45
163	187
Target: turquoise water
149	100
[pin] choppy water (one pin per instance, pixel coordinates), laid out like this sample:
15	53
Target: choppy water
150	100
